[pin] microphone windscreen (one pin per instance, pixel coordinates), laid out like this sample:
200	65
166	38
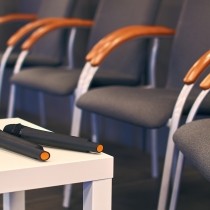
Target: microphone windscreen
13	129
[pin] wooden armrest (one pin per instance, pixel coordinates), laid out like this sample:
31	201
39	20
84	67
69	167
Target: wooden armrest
205	84
101	44
28	28
125	34
17	17
74	22
200	65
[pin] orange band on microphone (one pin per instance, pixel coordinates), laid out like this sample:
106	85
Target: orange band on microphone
99	148
44	155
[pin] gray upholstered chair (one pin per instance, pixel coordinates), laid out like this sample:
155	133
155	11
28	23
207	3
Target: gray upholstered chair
152	108
110	16
11	9
192	138
55	42
47	9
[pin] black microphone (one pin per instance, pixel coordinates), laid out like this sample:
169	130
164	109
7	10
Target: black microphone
53	139
18	145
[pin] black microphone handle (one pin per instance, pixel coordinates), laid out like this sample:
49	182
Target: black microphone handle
18	145
53	139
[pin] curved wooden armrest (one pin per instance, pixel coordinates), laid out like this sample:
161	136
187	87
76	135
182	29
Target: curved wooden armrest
73	22
101	44
125	34
17	17
205	84
200	65
28	28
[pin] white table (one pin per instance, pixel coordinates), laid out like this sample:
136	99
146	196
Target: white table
19	173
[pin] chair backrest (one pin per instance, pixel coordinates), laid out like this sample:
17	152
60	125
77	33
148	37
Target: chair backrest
113	14
83	9
52	45
55	8
8	7
29	6
6	30
191	40
168	15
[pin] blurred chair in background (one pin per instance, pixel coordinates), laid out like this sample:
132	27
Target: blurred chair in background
52	49
13	16
46	9
110	15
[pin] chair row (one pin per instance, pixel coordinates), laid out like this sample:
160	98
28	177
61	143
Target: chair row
112	73
69	77
109	84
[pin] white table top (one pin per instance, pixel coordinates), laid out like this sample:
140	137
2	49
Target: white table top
18	172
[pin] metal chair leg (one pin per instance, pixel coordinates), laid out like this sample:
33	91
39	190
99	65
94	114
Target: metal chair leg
75	129
176	183
154	153
166	178
42	113
3	63
94	128
11	105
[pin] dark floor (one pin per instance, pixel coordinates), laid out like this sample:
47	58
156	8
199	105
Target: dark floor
133	189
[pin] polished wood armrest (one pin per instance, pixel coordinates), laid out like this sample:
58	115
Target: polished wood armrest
123	35
28	28
200	65
73	22
205	84
105	41
17	17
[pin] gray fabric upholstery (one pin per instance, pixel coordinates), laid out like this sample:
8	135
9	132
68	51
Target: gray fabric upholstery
152	108
33	60
39	60
55	8
131	58
52	46
8	7
134	105
193	140
110	16
29	6
51	50
62	80
58	81
6	30
83	9
192	39
149	108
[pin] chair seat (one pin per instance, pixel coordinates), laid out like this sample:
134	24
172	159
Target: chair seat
33	60
149	108
54	81
31	78
193	140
